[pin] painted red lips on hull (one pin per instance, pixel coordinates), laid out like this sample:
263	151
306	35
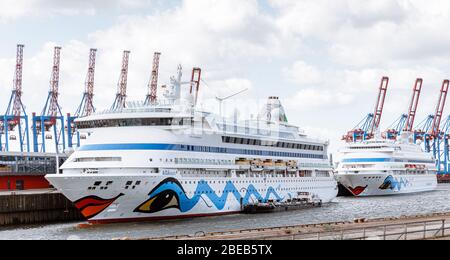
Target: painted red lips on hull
91	206
358	190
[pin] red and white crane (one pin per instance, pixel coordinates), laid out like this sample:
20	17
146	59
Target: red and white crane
86	107
153	84
51	116
379	106
366	129
435	127
195	83
406	121
15	115
51	107
17	108
121	96
417	89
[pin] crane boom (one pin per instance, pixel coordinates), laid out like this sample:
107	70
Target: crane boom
121	96
379	106
195	82
89	109
406	121
153	85
54	84
86	107
366	128
435	129
413	105
17	106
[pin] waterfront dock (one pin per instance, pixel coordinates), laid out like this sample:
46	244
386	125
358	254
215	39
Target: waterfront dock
36	207
426	227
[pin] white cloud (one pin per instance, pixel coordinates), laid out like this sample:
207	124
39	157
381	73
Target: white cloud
14	9
311	99
303	74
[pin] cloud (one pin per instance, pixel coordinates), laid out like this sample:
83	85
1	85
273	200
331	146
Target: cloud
302	73
311	99
361	33
15	9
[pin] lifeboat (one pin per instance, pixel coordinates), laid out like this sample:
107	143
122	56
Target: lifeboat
292	166
257	165
280	165
243	163
269	165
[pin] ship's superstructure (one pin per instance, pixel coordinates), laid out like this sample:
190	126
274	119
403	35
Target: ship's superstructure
386	167
166	159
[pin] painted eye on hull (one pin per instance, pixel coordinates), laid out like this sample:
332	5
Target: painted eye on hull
162	201
387	184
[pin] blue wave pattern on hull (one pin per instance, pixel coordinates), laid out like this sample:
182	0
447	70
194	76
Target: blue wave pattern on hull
392	183
185	204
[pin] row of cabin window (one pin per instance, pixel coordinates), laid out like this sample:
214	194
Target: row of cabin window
237	140
248	152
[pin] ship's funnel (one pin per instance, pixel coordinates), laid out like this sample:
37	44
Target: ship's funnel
273	111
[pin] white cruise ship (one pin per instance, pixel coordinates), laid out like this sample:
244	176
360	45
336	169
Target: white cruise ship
169	160
386	167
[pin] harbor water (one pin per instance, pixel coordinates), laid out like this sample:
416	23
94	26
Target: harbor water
342	209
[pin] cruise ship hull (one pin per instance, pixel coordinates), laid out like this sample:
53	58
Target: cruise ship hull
113	198
384	184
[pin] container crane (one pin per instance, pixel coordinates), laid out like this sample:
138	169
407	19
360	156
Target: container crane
436	136
86	107
444	157
121	96
15	116
406	121
435	139
51	116
429	129
366	129
153	84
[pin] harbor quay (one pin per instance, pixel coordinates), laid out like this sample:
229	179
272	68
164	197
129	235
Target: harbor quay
35	207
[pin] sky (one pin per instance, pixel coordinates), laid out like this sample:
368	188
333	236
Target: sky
323	58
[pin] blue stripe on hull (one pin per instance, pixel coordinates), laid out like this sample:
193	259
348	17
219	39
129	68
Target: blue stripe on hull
192	148
363	160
